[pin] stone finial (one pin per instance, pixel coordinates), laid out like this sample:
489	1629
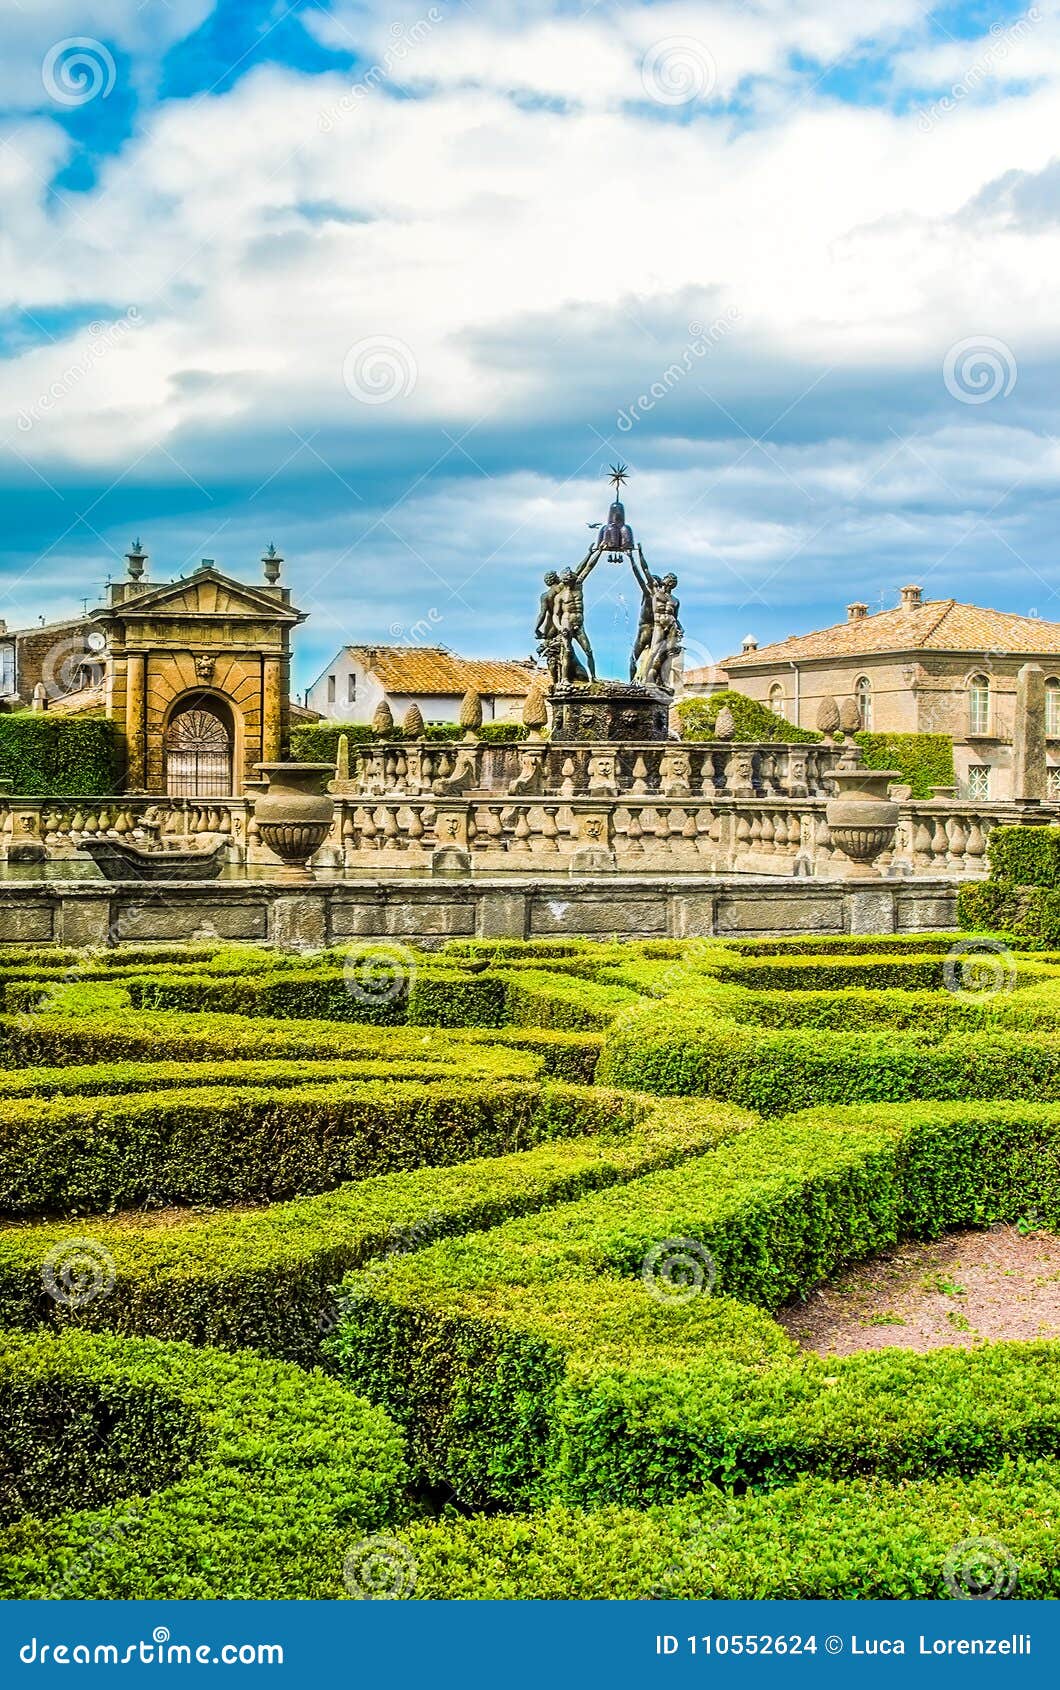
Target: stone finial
383	720
724	723
412	722
828	716
535	711
471	712
342	760
850	716
136	559
272	562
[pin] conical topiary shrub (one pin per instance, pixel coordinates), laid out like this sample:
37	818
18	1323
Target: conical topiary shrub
383	720
828	716
412	722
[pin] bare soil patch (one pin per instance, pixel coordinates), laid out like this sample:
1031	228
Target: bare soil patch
966	1288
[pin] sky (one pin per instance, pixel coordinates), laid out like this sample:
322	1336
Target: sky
391	286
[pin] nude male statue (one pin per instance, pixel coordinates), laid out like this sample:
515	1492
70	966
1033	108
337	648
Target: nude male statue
570	611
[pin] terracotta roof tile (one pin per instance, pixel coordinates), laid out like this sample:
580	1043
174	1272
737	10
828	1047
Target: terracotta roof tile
937	625
432	670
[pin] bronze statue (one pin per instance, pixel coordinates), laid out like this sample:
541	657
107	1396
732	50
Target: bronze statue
659	630
570	607
547	626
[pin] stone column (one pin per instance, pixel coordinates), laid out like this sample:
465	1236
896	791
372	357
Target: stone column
271	710
135	770
1028	739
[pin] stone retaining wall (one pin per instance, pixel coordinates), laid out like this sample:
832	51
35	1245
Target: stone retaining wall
428	912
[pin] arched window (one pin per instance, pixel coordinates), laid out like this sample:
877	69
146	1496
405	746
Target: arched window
777	702
1052	706
863	694
979	705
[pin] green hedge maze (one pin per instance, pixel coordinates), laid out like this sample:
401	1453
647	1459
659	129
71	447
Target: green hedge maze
389	1273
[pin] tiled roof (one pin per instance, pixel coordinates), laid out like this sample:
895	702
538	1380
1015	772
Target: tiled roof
432	670
937	625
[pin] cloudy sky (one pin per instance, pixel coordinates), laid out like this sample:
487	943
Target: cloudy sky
390	287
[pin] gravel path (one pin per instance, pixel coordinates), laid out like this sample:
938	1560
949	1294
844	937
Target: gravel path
962	1289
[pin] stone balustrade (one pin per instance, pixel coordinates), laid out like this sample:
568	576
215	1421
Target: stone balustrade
670	768
668	828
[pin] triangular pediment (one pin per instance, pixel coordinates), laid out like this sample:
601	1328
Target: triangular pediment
207	593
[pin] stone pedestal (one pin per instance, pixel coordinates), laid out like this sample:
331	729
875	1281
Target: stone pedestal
613	711
1028	740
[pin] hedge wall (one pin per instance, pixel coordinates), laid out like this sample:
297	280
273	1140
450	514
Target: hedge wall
535	1362
753	721
255	1478
1022	894
923	760
1025	856
59	756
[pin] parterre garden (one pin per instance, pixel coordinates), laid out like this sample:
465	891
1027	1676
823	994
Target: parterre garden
453	1274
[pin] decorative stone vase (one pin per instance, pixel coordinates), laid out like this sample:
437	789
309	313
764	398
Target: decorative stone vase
295	814
862	820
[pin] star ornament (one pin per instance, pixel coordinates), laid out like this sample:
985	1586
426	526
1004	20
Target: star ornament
619	474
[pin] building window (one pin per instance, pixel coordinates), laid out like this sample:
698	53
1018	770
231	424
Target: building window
978	780
979	705
351	689
777	702
331	689
7	670
1052	784
1052	706
863	694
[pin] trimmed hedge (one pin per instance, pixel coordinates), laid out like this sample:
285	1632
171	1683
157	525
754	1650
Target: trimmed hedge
924	761
815	1539
1025	856
531	1361
59	756
753	720
254	1478
318	742
265	1279
247	1145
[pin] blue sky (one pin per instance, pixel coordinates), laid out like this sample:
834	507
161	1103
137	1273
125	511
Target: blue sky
390	286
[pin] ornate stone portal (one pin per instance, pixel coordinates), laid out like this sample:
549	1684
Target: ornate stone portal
198	676
583	707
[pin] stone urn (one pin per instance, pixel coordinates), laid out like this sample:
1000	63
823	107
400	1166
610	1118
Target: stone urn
862	820
295	813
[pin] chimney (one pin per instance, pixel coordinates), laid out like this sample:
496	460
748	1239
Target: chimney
749	643
910	598
856	611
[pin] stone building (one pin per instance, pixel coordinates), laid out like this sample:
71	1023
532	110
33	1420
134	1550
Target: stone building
927	666
361	677
197	674
62	658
